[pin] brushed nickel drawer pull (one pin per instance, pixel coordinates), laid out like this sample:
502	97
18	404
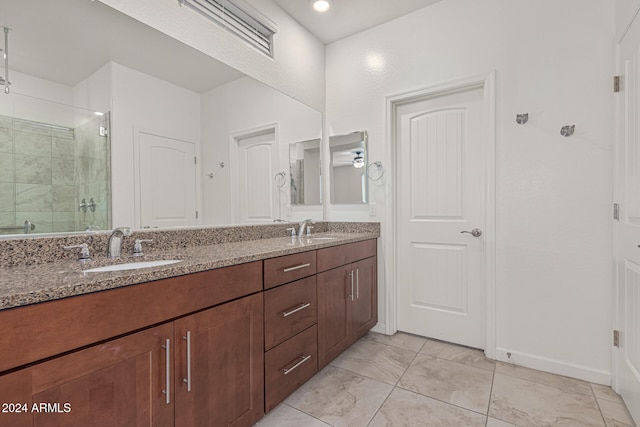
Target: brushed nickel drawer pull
187	380
304	359
167	366
357	283
297	267
351	274
300	306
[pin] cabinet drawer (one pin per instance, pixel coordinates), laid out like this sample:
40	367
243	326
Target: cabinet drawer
288	310
288	268
336	256
290	365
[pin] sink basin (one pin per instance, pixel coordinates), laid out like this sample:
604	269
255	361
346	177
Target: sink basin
132	266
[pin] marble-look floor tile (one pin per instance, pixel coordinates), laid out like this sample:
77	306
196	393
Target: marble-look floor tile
405	408
456	353
286	416
604	392
532	404
375	360
399	339
340	398
615	414
450	382
494	422
565	383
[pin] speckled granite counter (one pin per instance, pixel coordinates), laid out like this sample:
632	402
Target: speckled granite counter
29	283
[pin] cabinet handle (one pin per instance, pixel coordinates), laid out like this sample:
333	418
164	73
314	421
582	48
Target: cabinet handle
351	274
188	379
357	283
167	371
300	306
304	359
297	267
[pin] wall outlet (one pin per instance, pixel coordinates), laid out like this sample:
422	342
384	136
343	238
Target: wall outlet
288	210
372	209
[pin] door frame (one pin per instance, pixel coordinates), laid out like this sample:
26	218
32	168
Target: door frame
487	82
234	178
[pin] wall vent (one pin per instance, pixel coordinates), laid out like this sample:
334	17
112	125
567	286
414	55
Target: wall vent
239	18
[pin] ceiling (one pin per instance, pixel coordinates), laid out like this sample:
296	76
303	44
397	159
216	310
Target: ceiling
348	17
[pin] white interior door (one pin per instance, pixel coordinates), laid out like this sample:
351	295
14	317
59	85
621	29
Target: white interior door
626	379
257	194
167	181
440	202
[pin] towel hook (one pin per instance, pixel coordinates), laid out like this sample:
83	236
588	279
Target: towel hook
522	118
567	130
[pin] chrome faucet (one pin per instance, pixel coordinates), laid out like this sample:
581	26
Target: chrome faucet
114	245
304	225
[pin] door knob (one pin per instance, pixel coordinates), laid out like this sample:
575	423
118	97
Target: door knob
476	232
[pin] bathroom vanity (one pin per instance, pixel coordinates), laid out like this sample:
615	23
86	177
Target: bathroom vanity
221	344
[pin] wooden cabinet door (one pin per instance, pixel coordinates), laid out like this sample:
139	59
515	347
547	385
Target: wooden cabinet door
118	383
334	306
220	365
364	313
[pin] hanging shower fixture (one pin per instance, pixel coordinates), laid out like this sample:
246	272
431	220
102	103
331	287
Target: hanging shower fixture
5	81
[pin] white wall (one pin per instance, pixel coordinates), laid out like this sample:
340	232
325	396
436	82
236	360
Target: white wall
296	69
144	103
554	60
238	107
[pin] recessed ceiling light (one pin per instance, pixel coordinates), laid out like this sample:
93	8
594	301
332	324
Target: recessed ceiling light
321	6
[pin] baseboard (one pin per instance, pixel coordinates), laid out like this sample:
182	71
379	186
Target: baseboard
554	366
380	328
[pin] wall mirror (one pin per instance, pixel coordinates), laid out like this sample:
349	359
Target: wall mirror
87	57
348	154
305	172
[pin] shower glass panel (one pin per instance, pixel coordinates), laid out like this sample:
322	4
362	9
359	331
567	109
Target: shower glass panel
55	172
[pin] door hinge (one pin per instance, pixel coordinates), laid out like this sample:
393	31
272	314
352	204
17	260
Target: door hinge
616	212
616	338
195	160
618	83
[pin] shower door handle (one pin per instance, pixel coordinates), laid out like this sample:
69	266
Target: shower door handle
476	232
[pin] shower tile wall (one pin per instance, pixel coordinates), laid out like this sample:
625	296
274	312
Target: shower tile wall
45	171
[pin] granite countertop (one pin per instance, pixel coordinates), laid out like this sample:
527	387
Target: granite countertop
29	284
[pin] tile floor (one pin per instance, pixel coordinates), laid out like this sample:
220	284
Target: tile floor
405	380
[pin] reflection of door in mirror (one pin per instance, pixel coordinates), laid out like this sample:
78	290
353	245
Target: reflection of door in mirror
256	199
305	172
54	167
167	172
348	154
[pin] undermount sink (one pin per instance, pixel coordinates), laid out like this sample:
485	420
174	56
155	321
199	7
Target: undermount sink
321	238
132	266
